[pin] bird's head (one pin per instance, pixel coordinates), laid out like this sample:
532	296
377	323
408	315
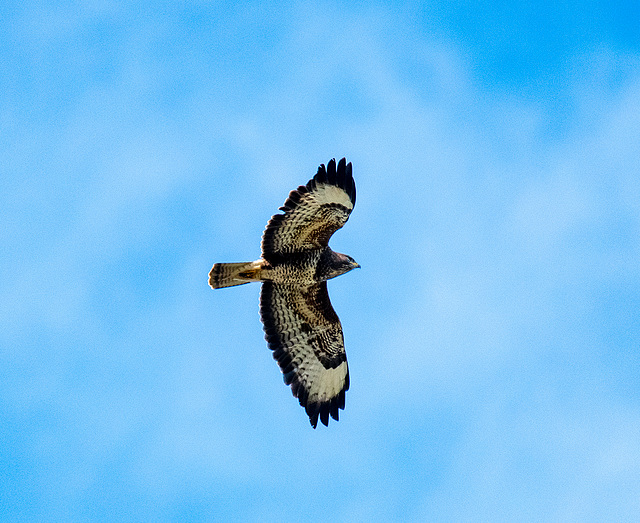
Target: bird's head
342	263
352	263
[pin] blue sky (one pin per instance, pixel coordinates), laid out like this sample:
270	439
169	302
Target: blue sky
493	335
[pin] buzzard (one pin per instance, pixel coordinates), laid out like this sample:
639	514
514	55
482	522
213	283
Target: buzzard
300	325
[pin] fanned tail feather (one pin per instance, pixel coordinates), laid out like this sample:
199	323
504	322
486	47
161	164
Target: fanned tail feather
231	274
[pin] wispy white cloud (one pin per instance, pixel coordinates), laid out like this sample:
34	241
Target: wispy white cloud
484	378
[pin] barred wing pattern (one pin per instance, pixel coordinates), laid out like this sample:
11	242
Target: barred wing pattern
312	212
305	335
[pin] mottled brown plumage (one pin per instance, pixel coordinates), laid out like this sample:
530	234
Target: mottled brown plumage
300	325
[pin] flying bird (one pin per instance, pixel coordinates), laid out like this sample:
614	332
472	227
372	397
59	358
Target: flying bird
300	325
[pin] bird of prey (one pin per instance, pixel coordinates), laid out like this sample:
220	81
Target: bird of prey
300	325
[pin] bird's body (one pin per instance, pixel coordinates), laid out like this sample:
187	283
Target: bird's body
303	268
301	327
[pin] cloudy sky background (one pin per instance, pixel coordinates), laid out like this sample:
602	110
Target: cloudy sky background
493	332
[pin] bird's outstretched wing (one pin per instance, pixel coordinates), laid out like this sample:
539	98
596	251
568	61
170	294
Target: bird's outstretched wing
305	335
312	212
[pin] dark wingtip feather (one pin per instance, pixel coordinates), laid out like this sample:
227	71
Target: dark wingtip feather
334	410
331	171
341	172
313	410
350	184
321	175
340	176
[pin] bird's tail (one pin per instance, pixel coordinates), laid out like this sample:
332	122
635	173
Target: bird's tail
230	274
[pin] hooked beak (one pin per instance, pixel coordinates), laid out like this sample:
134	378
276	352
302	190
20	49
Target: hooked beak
356	265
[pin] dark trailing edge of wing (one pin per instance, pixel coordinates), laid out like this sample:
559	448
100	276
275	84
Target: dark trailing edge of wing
314	410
